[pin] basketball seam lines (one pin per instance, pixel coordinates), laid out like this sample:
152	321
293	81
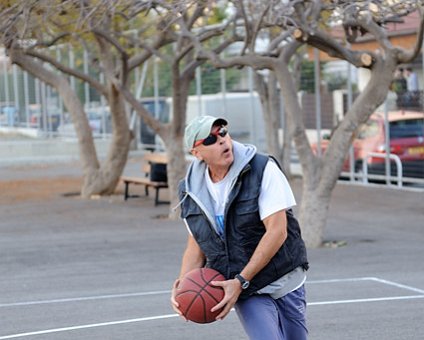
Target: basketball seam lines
198	294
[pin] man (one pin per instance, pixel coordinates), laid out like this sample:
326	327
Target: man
411	80
236	205
412	95
399	85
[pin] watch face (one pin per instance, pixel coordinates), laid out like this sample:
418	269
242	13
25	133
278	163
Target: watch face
243	281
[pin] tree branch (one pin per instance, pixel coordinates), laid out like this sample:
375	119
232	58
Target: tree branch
72	72
247	26
408	56
366	21
199	61
328	44
138	107
117	45
200	7
204	37
252	60
257	26
149	50
51	42
196	37
278	40
289	50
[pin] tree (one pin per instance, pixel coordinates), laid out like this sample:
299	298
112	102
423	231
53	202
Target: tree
31	29
119	36
314	23
274	114
183	26
269	94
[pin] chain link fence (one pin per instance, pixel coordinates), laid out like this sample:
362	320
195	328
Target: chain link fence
326	91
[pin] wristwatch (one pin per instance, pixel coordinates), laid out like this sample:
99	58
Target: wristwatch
244	283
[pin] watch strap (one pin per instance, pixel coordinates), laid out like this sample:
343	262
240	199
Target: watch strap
244	283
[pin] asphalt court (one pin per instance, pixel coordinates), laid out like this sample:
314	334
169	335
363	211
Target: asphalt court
365	291
102	269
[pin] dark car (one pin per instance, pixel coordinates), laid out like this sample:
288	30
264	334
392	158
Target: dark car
147	135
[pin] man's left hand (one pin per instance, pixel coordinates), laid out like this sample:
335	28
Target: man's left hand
232	290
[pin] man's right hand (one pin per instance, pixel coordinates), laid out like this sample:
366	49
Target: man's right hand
174	303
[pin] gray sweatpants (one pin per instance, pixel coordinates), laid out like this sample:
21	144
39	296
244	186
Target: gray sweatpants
264	318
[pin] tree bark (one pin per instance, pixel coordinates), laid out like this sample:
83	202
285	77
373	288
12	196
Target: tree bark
177	164
271	108
320	175
104	179
313	213
98	179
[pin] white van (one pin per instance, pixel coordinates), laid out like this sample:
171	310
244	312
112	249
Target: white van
242	110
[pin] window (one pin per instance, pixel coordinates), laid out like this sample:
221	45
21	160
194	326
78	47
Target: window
407	128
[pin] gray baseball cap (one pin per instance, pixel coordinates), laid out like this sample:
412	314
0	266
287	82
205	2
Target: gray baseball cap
200	128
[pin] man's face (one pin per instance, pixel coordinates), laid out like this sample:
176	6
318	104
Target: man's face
218	154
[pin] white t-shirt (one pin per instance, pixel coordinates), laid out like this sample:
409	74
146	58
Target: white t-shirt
412	82
219	192
275	194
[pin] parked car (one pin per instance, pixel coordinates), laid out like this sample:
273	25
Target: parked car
37	116
406	131
147	135
9	114
99	120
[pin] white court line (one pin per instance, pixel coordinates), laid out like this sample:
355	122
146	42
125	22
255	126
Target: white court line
398	285
167	316
112	296
376	279
103	324
390	298
86	298
354	279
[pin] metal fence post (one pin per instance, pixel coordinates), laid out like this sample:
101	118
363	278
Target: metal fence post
317	75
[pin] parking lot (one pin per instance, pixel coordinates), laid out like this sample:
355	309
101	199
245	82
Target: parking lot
103	268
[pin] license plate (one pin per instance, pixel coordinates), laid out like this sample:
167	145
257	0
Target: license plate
416	150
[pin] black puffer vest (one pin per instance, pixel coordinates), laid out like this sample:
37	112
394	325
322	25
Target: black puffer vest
243	231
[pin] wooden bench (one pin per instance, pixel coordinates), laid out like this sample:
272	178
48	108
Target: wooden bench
148	160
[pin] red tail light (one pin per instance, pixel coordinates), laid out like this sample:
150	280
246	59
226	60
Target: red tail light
396	149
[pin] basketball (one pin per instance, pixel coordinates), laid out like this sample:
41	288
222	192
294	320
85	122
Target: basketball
196	296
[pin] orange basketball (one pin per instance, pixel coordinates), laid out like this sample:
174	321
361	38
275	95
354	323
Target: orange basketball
196	296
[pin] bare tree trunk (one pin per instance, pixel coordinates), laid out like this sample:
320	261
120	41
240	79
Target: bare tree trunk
312	223
313	216
175	148
270	101
98	180
287	146
320	175
104	179
176	170
288	131
172	133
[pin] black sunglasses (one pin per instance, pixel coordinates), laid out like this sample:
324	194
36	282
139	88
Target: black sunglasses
213	137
